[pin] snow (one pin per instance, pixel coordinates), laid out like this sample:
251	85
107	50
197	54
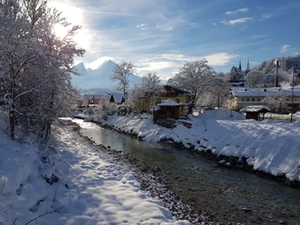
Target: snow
263	92
168	102
255	108
271	146
92	187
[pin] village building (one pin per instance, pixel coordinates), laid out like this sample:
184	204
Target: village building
286	100
170	93
237	75
256	112
93	100
169	109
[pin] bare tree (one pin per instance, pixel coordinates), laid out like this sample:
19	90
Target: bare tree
275	101
255	78
149	89
217	95
195	77
121	73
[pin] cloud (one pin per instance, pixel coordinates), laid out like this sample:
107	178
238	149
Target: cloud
219	59
284	48
167	65
142	26
194	25
164	27
237	11
240	20
266	16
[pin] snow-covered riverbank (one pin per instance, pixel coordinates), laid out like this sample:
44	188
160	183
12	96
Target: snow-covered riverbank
271	146
85	186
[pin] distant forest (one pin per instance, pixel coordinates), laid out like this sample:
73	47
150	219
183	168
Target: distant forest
268	66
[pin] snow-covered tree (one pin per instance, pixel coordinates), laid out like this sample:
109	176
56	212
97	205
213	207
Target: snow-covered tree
57	64
104	109
275	101
217	95
255	78
16	55
34	10
121	73
150	88
35	66
195	77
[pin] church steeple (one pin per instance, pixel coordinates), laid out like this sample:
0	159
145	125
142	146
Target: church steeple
248	66
240	66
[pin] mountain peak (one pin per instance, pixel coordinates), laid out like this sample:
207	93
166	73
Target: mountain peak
100	76
99	62
81	68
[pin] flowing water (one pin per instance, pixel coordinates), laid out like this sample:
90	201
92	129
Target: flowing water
225	194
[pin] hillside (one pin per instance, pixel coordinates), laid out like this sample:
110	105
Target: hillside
99	78
267	66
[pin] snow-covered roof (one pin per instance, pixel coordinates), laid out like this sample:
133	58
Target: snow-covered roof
255	108
236	70
118	97
262	92
169	102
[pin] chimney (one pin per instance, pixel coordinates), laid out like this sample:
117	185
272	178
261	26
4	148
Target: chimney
276	75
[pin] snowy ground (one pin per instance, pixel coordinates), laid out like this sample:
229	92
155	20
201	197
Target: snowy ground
95	189
271	146
92	187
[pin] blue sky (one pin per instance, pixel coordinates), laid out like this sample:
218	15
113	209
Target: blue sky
162	35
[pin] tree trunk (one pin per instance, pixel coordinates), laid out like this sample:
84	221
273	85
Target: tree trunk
12	119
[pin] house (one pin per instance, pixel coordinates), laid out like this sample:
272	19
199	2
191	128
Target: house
256	112
288	99
90	100
117	98
145	104
168	109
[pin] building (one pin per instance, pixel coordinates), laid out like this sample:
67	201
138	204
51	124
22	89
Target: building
280	100
145	104
256	112
169	109
90	100
237	75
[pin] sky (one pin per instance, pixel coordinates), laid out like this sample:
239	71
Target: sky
162	35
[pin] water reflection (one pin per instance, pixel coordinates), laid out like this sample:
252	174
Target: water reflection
226	194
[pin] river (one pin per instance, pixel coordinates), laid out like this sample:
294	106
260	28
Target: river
225	194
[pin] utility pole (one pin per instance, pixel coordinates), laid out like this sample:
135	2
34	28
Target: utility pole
292	95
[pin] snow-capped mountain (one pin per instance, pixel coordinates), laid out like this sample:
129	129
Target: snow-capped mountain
99	78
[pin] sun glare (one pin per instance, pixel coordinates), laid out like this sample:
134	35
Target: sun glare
60	31
74	16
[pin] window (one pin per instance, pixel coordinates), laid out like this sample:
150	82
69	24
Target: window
248	99
253	99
